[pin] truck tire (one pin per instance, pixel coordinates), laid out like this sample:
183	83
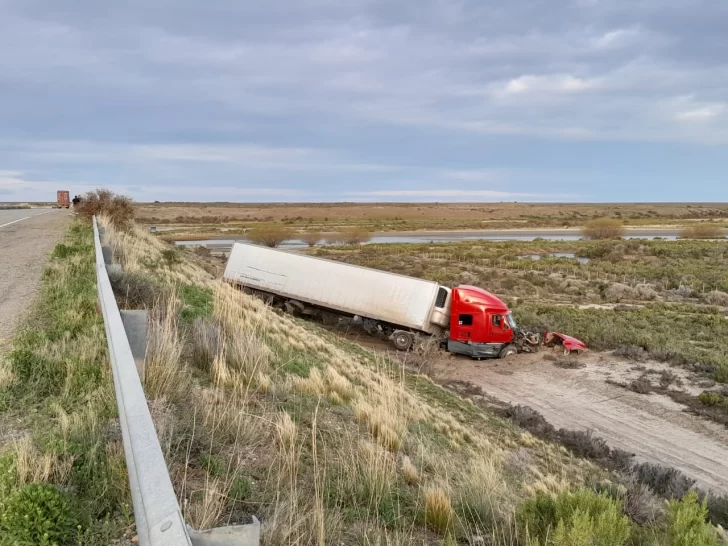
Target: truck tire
403	341
508	350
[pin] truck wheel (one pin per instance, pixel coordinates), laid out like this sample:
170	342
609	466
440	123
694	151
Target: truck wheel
566	351
403	341
508	350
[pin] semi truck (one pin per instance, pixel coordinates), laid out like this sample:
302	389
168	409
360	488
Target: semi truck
63	199
467	319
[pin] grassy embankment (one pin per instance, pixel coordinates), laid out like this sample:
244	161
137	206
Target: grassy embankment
260	414
263	414
667	297
62	471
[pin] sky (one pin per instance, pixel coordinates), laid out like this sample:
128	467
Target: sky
365	100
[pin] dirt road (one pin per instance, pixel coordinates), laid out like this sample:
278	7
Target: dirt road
653	427
27	238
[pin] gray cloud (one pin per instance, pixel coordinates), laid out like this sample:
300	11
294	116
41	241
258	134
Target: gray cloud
322	86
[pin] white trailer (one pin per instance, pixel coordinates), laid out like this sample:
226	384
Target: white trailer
397	301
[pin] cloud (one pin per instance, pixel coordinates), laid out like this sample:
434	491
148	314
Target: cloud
337	96
621	37
558	83
704	113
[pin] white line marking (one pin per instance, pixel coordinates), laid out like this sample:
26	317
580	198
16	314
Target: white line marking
26	217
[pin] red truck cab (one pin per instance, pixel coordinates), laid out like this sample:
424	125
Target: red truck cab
481	325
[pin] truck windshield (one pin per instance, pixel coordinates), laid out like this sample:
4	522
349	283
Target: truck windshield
511	321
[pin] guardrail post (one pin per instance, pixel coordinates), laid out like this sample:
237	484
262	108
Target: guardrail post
159	521
136	326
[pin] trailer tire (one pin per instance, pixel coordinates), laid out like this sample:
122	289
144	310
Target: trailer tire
508	350
403	341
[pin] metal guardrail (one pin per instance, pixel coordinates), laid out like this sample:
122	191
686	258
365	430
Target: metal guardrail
157	513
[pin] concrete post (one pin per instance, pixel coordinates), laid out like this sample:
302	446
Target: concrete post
136	325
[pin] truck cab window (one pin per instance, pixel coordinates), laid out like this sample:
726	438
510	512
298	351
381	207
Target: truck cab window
465	320
497	321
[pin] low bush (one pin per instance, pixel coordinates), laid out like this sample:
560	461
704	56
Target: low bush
716	297
668	378
171	257
585	444
631	352
603	228
38	514
568	363
579	518
702	231
687	526
270	236
666	482
710	398
311	238
118	208
641	386
355	236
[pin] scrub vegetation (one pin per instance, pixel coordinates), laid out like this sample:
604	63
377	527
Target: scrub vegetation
666	298
262	414
333	217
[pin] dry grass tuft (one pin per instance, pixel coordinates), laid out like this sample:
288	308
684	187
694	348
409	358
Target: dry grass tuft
205	507
313	384
248	355
165	374
409	471
438	509
207	340
6	373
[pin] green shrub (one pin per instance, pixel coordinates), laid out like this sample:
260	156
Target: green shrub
580	518
710	398
197	302
171	257
64	251
240	489
687	523
270	236
38	514
214	465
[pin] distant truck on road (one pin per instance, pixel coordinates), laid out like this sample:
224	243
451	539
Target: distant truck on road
63	199
468	320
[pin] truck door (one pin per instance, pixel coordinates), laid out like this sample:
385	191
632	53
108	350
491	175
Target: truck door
463	330
500	330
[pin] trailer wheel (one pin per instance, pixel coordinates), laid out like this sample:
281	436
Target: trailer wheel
403	341
508	350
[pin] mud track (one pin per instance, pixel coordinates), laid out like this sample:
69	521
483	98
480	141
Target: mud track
653	427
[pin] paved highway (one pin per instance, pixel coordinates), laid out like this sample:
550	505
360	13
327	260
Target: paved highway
27	237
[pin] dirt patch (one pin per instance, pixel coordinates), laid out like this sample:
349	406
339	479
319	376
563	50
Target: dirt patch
653	427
